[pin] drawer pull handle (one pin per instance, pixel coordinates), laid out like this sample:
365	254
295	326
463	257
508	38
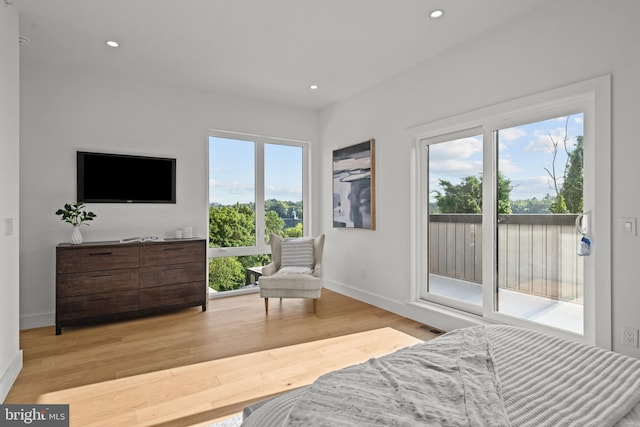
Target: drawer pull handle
174	269
101	276
100	253
174	249
99	299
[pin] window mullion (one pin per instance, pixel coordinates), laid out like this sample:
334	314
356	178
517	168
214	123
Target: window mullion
259	196
489	220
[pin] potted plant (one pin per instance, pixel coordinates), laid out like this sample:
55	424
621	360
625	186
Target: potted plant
74	214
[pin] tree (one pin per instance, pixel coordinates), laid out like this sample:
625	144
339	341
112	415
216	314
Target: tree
273	224
568	187
504	194
532	206
294	231
277	206
225	274
572	187
231	226
284	209
558	206
234	226
555	184
466	197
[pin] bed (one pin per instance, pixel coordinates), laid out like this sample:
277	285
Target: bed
478	376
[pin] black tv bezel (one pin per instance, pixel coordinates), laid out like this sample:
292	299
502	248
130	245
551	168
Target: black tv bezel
80	157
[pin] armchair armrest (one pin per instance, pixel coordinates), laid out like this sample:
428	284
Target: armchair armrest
317	270
269	269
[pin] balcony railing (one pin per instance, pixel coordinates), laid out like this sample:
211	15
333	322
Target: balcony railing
536	253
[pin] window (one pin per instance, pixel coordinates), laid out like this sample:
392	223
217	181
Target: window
499	194
257	186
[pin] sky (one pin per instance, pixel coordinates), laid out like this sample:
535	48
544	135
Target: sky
523	153
232	171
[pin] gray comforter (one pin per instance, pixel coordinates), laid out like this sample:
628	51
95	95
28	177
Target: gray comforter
478	376
453	383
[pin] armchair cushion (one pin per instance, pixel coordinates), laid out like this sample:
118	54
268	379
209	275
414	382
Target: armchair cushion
297	253
276	254
294	270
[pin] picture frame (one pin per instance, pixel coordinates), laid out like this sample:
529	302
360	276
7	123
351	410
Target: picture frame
354	186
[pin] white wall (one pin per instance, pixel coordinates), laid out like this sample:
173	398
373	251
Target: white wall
10	354
565	42
63	111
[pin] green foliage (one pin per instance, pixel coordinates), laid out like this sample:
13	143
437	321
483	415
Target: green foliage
504	192
225	274
572	187
228	273
231	226
284	209
466	197
273	224
74	214
558	206
234	226
532	206
254	260
294	231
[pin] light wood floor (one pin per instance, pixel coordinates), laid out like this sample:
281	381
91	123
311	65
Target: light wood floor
193	367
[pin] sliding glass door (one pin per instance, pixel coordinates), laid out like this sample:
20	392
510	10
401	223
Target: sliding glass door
535	195
540	276
454	186
512	215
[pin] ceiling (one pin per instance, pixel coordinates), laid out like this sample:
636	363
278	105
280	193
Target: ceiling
270	50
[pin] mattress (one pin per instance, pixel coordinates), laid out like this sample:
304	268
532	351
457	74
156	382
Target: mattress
483	375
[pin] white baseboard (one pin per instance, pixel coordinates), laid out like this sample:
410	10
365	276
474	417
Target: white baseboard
431	314
37	320
9	377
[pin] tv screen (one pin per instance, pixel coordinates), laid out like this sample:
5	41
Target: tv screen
119	178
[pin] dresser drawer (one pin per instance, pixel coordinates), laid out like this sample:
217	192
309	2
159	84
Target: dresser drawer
72	260
162	296
172	253
76	284
172	274
88	306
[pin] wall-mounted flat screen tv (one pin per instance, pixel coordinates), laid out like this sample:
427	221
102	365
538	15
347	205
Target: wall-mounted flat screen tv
119	178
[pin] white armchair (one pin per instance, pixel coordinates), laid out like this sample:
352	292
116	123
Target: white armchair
294	271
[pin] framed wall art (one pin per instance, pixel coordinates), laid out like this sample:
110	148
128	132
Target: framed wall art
354	186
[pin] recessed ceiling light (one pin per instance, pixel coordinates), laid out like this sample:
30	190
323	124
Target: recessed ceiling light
314	87
435	14
112	43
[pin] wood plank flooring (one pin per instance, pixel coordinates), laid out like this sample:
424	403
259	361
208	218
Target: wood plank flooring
192	367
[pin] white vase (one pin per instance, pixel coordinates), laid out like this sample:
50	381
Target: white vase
76	236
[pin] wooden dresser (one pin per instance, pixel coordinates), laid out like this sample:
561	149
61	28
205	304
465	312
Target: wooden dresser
104	281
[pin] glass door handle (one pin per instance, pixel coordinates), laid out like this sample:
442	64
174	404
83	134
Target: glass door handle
582	223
